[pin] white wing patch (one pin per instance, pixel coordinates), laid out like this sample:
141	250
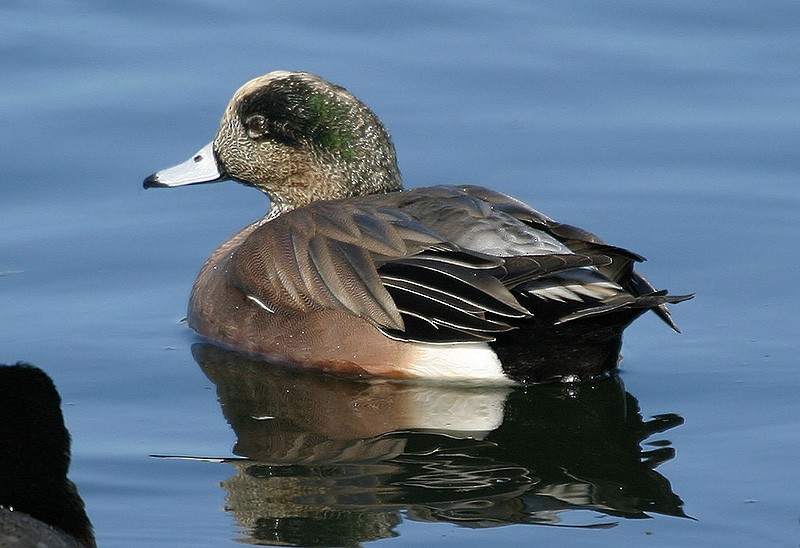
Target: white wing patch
260	303
575	292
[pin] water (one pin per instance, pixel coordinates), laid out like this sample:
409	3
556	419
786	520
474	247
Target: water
667	128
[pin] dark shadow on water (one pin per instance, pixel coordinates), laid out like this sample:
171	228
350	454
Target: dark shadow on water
332	462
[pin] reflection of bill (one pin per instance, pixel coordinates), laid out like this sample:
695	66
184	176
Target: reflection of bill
333	461
39	506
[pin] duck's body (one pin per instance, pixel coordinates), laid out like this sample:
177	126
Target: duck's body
348	274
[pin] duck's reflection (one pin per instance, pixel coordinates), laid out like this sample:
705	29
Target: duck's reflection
331	461
39	506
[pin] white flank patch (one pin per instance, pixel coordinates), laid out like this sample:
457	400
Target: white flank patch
457	362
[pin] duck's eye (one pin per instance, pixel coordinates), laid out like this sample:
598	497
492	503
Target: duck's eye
256	126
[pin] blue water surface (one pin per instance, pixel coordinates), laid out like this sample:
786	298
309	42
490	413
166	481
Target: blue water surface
670	128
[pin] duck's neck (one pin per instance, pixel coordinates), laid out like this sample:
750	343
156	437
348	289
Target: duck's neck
276	207
282	202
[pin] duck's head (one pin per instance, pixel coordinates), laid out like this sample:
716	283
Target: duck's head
296	137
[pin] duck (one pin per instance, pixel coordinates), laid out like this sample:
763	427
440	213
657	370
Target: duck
349	273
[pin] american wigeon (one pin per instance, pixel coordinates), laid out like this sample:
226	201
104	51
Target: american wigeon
349	273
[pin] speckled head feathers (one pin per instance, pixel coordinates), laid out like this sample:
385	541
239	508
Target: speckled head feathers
299	138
